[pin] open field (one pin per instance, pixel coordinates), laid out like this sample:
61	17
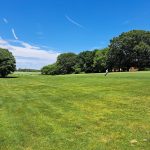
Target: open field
75	112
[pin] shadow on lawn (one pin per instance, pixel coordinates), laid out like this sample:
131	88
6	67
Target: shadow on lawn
9	77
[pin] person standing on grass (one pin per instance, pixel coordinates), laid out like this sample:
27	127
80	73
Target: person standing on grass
106	72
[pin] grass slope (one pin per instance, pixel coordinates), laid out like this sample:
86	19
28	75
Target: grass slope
75	112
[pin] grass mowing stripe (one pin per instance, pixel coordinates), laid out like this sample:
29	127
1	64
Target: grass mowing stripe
86	112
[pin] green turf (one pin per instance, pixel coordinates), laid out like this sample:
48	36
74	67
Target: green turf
75	112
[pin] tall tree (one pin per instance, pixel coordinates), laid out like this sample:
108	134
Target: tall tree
100	58
85	61
142	55
123	49
67	62
7	62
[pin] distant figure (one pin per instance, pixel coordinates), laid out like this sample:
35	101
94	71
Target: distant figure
106	72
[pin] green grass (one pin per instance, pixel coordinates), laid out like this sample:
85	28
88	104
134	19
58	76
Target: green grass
75	112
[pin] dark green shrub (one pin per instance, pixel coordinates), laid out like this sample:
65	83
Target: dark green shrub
52	69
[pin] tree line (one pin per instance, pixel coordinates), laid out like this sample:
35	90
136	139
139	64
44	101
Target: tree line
27	70
130	49
86	61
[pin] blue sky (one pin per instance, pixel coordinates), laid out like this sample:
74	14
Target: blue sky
37	31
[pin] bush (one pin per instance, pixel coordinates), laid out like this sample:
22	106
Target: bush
52	69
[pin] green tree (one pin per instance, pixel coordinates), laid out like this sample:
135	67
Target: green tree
100	58
123	51
85	61
7	62
52	69
77	69
67	62
142	55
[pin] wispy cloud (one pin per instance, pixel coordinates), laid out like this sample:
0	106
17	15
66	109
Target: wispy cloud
5	20
73	21
29	56
14	34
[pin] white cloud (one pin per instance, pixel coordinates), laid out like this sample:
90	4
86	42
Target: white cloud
2	42
14	34
73	22
5	20
29	56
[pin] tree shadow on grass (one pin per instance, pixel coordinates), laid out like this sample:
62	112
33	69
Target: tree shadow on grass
9	77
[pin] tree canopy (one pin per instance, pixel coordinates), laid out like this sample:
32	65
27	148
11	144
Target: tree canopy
7	62
50	69
99	61
130	49
66	62
85	61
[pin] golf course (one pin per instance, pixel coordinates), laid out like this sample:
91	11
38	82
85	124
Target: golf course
75	112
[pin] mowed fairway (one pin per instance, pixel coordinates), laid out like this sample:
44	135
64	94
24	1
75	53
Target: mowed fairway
75	112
